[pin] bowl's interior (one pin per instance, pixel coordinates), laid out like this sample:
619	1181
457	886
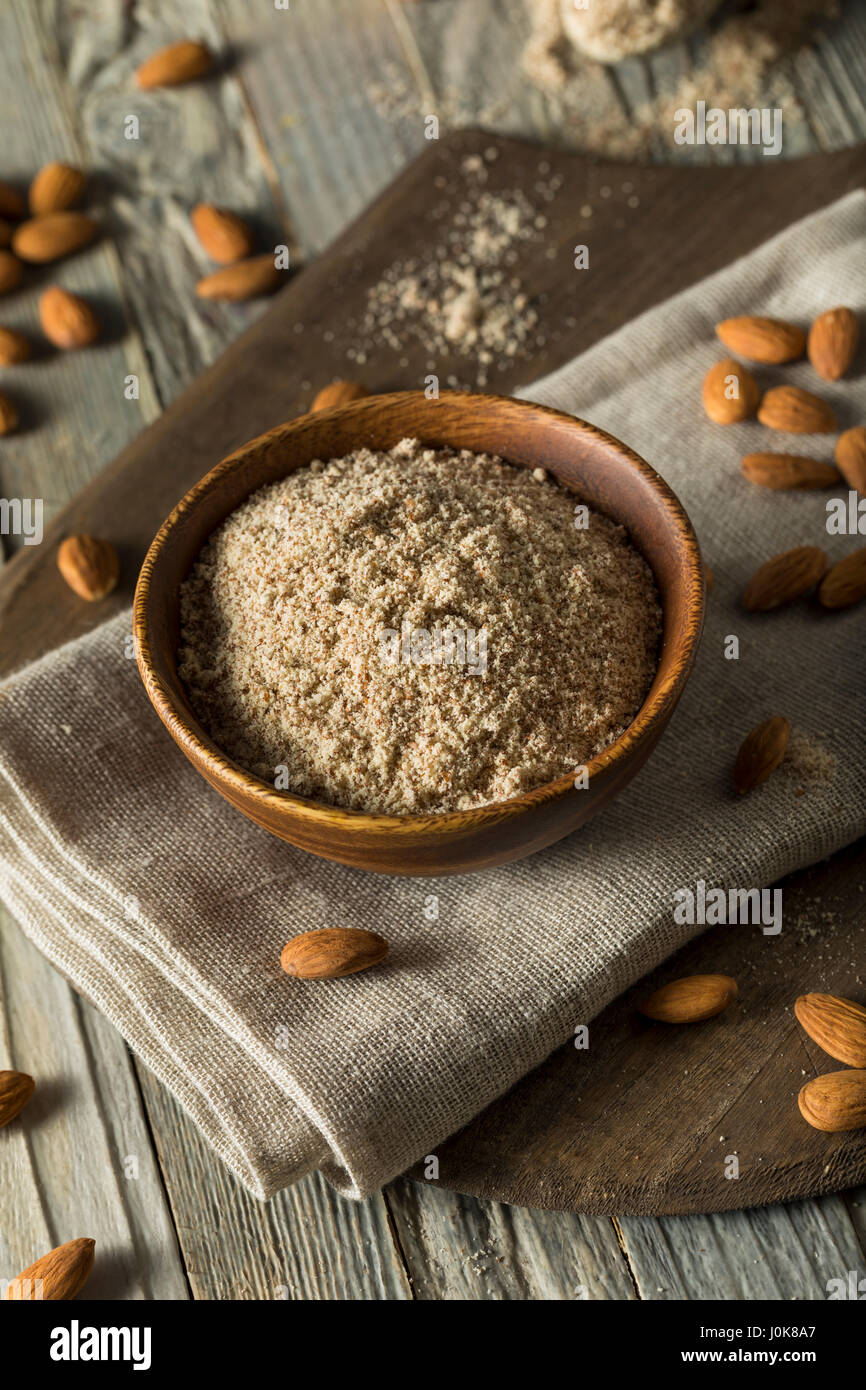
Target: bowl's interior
601	471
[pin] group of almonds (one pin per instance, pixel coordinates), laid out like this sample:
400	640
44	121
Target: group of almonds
48	226
833	1102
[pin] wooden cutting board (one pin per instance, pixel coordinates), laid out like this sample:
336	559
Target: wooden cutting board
645	1120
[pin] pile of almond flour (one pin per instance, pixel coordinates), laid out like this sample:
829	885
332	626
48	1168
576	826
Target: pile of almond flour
283	616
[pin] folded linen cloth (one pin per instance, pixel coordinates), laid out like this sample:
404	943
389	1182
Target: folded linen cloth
168	909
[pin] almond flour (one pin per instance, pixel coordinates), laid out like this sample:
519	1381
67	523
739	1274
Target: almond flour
284	612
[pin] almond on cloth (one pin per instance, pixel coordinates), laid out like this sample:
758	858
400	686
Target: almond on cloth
8	415
845	584
183	61
338	393
786	471
11	272
691	999
784	578
836	1025
224	236
12	205
330	952
55	188
761	339
90	567
243	280
67	320
16	1088
47	238
832	343
835	1102
796	411
14	347
850	455
760	753
56	1277
730	393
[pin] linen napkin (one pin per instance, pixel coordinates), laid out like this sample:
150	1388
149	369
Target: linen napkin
168	909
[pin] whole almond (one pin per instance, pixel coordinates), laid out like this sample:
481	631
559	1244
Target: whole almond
11	272
6	230
795	411
56	234
836	1025
224	235
845	583
835	1102
55	188
761	339
784	471
760	753
691	999
243	280
784	578
90	567
56	1277
12	205
67	320
730	393
338	393
179	62
832	343
8	415
850	454
16	1088
331	952
14	347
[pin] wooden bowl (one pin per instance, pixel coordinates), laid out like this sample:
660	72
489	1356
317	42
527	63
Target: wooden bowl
603	472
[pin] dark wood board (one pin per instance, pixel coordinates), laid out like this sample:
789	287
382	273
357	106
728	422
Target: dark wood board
634	1125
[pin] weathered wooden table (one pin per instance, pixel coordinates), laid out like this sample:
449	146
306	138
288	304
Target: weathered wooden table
319	106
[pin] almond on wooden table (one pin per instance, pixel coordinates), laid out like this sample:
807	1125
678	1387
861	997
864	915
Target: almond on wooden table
55	234
56	1277
55	188
691	999
844	584
795	411
91	567
11	272
832	343
331	952
16	1088
760	753
12	205
243	280
8	415
14	347
785	577
730	393
183	61
224	236
338	393
68	321
762	339
850	455
835	1102
786	471
837	1025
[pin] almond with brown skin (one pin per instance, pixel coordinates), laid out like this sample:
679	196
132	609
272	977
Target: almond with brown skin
850	454
55	188
338	393
243	280
67	320
16	1088
12	205
331	952
762	339
785	471
14	347
795	411
8	415
730	393
183	61
57	1276
845	583
760	753
11	272
225	236
836	1025
835	1102
832	343
784	578
56	234
90	567
691	999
